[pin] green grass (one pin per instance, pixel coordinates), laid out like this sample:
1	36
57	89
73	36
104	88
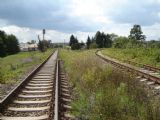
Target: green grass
149	56
13	66
102	93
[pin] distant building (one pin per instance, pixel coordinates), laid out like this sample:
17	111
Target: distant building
28	47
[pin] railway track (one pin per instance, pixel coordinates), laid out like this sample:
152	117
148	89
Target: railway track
148	74
43	95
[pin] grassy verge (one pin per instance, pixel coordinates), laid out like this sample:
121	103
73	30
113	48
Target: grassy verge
149	56
13	66
102	93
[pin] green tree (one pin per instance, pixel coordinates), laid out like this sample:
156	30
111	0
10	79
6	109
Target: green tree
75	45
41	46
3	52
137	34
99	39
73	40
88	42
8	44
107	40
12	45
120	42
103	40
3	35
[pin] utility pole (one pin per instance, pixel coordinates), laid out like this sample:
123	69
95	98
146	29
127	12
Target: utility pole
44	31
39	38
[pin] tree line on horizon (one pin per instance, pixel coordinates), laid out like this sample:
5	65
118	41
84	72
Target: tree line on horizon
135	39
8	44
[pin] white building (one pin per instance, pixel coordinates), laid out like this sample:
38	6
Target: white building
28	47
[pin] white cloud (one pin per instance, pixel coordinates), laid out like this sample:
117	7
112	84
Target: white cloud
23	34
94	11
27	34
119	29
152	32
82	17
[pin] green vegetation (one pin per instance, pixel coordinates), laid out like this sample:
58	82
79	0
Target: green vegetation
13	66
102	93
136	39
100	40
8	44
74	43
43	45
136	33
149	56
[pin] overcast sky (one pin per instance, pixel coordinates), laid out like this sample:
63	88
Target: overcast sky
61	18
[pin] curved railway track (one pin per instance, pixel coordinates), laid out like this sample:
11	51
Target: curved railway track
43	95
148	74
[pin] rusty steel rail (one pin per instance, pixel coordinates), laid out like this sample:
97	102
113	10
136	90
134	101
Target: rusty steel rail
130	69
149	67
16	90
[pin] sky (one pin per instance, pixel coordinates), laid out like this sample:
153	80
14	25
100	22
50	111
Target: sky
61	18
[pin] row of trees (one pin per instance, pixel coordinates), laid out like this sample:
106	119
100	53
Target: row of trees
8	44
102	40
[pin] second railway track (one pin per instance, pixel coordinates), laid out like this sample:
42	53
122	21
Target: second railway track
149	75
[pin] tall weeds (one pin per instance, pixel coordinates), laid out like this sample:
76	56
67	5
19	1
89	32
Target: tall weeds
103	93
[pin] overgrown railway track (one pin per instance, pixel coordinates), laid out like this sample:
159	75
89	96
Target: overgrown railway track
43	95
145	73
